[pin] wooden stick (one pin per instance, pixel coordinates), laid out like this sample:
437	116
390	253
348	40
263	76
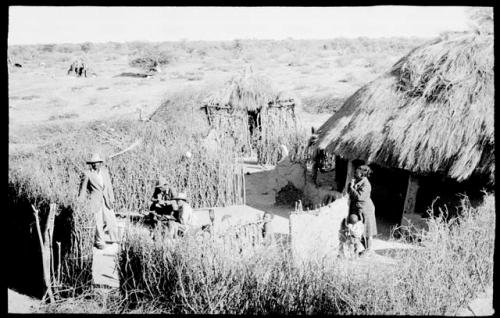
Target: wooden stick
51	250
44	246
244	188
58	262
132	146
39	231
48	257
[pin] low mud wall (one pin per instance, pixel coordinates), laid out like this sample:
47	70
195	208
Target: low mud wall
316	233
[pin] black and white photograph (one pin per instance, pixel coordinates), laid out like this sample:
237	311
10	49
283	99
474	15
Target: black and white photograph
251	160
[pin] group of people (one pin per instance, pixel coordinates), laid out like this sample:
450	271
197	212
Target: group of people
360	226
167	207
171	211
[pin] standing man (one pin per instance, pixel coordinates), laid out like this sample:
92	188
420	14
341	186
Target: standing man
96	183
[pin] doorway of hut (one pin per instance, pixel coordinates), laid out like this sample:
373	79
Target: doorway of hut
254	122
439	194
388	192
388	195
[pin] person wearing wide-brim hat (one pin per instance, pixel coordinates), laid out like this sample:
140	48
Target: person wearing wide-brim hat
184	217
96	184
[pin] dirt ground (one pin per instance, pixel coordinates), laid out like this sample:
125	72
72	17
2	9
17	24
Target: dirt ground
21	304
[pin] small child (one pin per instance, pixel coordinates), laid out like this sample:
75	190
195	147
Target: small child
351	233
267	228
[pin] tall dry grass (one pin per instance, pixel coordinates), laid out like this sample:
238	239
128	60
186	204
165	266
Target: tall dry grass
279	127
51	173
453	264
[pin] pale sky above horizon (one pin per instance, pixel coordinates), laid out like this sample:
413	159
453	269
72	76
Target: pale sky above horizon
37	25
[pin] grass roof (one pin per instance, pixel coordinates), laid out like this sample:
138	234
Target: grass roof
248	90
432	112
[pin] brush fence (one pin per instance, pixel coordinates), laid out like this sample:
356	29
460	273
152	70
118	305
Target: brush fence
315	234
241	238
263	129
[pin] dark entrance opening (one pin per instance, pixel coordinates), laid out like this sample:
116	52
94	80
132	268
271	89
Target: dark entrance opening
388	195
254	122
445	194
340	172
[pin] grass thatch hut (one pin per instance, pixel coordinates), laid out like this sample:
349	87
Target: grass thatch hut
430	116
254	113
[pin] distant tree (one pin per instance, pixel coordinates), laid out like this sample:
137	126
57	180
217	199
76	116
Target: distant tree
64	48
48	48
237	45
86	47
148	59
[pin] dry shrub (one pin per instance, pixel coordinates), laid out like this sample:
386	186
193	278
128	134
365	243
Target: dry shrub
151	58
200	272
454	264
324	103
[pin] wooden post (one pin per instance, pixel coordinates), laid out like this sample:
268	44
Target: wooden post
45	246
244	188
349	176
58	279
411	195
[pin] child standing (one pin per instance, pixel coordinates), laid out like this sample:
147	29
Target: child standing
351	232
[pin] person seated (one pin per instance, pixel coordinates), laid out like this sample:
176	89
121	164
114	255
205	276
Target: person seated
162	204
183	218
351	233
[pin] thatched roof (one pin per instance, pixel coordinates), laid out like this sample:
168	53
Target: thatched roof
248	91
432	112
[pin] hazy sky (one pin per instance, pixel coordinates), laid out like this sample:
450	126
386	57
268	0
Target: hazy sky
32	25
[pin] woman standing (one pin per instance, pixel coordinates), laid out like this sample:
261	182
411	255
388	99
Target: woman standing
361	204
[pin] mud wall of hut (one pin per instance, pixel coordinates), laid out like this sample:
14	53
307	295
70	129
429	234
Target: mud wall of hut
316	233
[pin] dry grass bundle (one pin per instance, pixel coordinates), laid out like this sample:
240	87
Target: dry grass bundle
433	112
76	267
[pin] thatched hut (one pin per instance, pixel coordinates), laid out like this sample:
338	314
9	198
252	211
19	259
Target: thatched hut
254	113
428	121
79	67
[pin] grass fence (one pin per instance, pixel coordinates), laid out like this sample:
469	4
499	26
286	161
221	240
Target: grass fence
452	264
51	173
